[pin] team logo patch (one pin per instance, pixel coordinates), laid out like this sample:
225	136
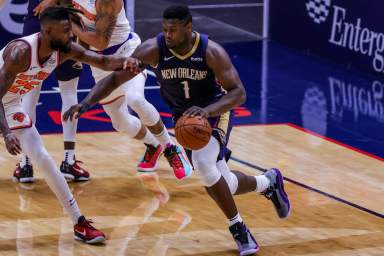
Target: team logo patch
19	117
318	10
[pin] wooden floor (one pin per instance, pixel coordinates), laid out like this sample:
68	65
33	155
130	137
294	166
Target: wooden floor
154	214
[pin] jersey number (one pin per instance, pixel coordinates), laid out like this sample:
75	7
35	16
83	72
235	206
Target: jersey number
186	89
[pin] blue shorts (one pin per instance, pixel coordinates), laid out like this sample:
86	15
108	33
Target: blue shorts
69	69
221	130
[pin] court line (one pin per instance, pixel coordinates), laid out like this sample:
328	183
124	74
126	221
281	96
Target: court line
341	200
336	142
359	207
256	167
216	6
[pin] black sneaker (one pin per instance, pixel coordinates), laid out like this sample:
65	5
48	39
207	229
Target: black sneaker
245	241
276	193
23	175
73	172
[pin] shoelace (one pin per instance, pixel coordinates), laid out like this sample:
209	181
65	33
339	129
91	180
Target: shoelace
87	223
241	235
176	161
148	153
268	192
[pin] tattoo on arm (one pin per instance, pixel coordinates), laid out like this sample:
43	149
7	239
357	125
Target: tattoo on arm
106	19
16	60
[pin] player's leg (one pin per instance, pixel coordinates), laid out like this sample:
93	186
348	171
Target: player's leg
32	144
150	117
204	162
24	170
68	78
126	123
270	184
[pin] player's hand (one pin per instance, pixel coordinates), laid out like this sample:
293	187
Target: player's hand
43	5
75	111
133	65
12	144
196	111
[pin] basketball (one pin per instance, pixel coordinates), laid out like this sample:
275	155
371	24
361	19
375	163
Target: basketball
193	132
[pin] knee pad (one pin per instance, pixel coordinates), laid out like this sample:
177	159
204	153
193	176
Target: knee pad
68	70
208	173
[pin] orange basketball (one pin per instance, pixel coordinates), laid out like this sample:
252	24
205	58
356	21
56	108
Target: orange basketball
193	132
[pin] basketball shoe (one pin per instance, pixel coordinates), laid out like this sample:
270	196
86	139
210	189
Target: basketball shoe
148	162
23	174
245	241
180	165
86	233
74	172
276	193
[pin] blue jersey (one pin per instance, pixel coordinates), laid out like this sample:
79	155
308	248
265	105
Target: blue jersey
187	80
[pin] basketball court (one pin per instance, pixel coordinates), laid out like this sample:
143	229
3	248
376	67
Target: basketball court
301	116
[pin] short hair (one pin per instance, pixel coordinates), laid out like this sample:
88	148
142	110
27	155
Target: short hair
178	12
58	13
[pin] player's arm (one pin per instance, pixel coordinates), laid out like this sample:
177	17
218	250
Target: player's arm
146	53
107	11
44	4
219	61
16	60
105	62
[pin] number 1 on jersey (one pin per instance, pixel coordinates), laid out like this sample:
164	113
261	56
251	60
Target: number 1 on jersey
186	89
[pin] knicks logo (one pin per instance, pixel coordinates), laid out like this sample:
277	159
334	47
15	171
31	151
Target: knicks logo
19	117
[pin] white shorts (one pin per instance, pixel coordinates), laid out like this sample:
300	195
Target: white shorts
125	50
16	116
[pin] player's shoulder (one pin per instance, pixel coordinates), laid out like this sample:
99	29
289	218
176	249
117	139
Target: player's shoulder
215	52
18	54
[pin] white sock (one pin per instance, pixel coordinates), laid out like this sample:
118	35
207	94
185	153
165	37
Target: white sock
235	219
150	139
164	138
24	160
262	183
69	156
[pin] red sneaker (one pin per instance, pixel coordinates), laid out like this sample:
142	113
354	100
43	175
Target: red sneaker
74	172
179	163
86	233
148	162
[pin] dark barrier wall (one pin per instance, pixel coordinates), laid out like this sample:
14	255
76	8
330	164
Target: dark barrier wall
349	32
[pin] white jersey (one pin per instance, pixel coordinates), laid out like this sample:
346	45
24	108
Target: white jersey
122	27
32	78
35	74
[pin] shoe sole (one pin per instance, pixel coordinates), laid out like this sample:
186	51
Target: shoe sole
70	177
282	193
250	251
23	180
139	169
96	240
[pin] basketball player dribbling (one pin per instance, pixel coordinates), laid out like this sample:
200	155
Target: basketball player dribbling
188	66
24	64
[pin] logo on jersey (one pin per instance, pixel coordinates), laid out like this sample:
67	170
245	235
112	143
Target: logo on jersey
19	116
318	10
168	58
197	59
